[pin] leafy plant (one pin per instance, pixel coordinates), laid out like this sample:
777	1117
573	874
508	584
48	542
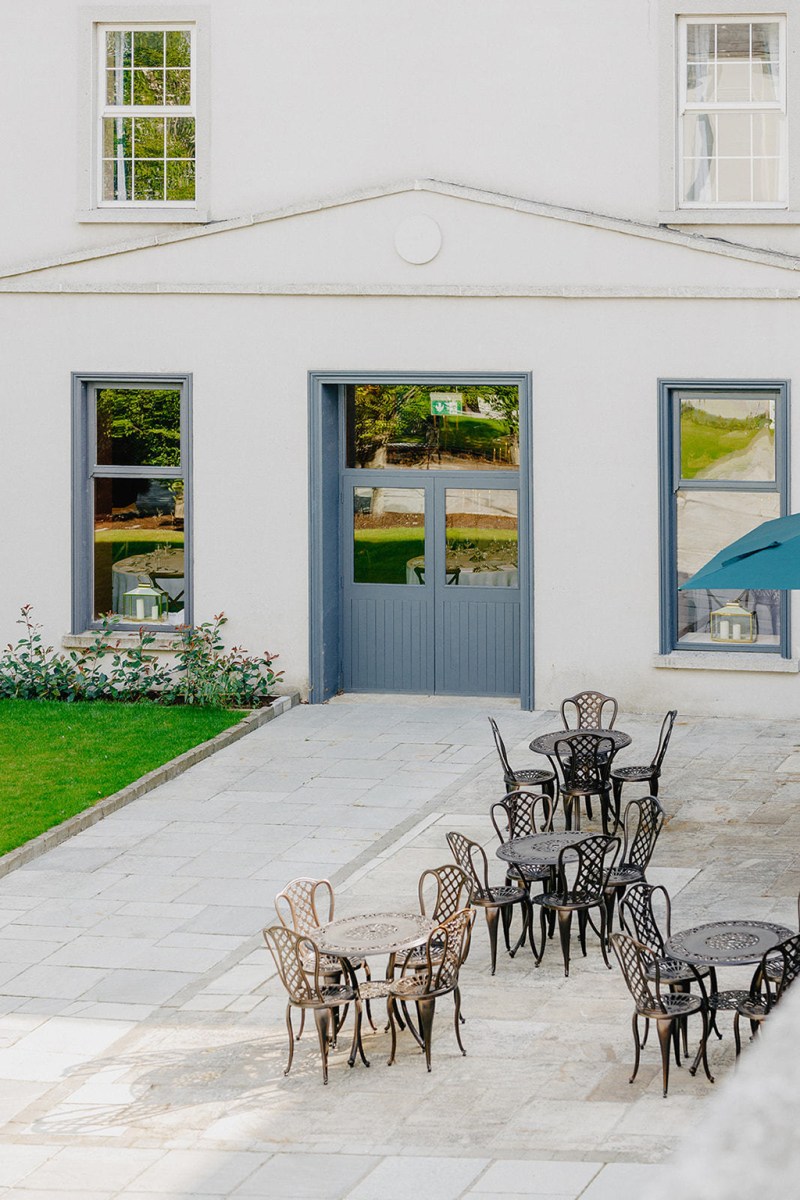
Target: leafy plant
207	673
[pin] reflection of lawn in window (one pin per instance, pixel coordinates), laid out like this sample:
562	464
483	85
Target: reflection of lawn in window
380	555
706	438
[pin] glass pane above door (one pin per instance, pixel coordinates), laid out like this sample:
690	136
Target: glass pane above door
388	535
439	427
481	532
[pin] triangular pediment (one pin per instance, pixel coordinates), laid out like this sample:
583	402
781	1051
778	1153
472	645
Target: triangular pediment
478	243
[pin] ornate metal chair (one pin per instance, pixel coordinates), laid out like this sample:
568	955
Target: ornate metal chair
581	881
640	969
515	817
442	891
298	961
496	902
587	709
638	917
445	951
768	986
641	825
304	905
527	776
649	774
583	759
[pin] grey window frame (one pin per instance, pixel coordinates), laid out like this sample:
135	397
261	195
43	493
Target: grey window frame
85	470
670	482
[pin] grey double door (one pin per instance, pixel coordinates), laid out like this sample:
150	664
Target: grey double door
431	581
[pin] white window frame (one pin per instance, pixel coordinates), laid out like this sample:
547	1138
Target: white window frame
752	106
671	64
93	23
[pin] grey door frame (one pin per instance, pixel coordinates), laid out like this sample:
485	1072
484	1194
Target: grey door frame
326	393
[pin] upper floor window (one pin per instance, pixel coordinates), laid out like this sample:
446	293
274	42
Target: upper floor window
732	112
147	115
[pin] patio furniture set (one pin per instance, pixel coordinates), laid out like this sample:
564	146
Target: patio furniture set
590	874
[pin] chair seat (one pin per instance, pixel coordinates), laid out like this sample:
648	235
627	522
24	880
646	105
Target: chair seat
529	872
332	996
674	1004
418	957
727	1001
754	1010
624	874
328	965
374	989
637	774
411	987
501	895
672	971
567	900
533	775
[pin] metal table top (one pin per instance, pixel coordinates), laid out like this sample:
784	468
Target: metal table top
373	933
726	943
539	848
545	743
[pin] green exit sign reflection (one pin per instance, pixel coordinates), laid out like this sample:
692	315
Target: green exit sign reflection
448	404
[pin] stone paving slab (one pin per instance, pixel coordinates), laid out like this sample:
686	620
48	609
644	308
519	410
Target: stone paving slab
142	1040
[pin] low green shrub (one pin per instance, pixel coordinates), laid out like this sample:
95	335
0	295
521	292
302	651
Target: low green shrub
204	671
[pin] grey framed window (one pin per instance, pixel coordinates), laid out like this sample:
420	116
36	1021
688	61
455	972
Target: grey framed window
724	470
132	502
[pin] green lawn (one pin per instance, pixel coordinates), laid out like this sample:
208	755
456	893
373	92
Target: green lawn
59	759
380	555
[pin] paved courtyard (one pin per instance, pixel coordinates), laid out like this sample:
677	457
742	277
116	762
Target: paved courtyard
142	1037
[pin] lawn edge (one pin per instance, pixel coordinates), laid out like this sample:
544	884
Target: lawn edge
146	783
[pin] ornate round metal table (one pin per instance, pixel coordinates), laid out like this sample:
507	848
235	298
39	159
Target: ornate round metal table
726	943
545	743
540	848
373	933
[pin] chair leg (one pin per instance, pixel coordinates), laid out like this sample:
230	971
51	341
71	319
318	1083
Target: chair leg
582	920
505	917
302	1023
588	808
604	935
665	1038
390	1007
526	920
323	1019
457	1018
543	917
702	1049
616	785
637	1043
426	1009
291	1034
736	1035
564	930
492	917
611	900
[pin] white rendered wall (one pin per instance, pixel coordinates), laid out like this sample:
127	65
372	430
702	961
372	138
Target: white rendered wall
594	363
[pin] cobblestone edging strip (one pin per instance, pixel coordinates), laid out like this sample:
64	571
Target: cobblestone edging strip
146	783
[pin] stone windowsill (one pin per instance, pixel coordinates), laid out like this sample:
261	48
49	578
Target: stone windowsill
164	643
710	660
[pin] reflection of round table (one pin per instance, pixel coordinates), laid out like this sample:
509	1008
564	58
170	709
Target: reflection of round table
542	849
476	575
726	943
165	568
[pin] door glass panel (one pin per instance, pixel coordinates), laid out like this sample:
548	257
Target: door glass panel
442	427
728	437
708	521
481	537
388	535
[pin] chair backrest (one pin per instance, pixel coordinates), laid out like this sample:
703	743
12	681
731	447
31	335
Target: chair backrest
471	857
451	887
445	950
305	904
642	823
636	962
584	759
508	774
587	709
663	740
768	989
637	915
584	867
288	949
515	816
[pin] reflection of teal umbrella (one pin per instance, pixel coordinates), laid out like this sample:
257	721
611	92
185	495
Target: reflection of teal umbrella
766	557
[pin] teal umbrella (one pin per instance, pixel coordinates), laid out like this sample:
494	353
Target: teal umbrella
766	557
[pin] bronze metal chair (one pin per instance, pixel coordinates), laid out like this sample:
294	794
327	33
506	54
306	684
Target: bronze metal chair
526	776
650	773
581	881
304	905
445	950
515	816
588	709
298	961
442	891
641	972
637	916
496	902
775	964
583	759
642	824
768	986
